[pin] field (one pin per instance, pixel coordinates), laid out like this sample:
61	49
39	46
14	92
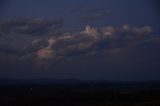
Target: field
80	94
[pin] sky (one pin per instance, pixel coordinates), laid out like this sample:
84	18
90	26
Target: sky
80	39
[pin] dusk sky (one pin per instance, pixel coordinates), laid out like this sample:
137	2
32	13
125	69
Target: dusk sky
80	39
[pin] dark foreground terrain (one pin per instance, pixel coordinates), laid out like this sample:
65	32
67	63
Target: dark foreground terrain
81	94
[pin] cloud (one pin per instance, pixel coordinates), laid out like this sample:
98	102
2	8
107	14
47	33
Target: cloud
95	16
96	40
91	32
103	51
46	53
92	17
108	31
91	41
91	13
146	30
82	8
7	25
6	49
28	26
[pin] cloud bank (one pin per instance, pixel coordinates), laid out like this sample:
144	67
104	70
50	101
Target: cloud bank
87	42
89	50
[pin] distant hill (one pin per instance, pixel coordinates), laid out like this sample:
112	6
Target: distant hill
98	84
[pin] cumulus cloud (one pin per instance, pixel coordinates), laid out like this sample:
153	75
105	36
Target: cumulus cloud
92	32
91	41
47	52
95	39
146	30
108	31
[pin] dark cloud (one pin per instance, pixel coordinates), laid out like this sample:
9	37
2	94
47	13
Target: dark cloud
132	62
124	63
5	49
7	26
91	39
97	49
37	26
91	13
1	34
96	15
86	9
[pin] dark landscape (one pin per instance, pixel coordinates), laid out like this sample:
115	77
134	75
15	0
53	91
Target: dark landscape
79	93
79	52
